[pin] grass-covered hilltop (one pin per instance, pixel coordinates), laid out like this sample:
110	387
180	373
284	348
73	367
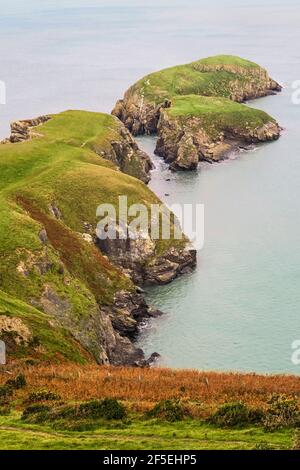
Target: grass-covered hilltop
196	109
62	296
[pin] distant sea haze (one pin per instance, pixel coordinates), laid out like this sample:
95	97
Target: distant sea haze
240	309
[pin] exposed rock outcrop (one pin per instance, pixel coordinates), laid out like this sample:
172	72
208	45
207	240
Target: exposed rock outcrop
125	153
106	332
25	130
140	259
164	269
139	116
16	328
183	142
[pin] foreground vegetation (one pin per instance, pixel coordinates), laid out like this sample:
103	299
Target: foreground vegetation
91	407
138	434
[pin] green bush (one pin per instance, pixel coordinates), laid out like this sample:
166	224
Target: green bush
282	412
38	412
5	410
236	414
17	383
5	391
109	408
43	395
112	409
169	410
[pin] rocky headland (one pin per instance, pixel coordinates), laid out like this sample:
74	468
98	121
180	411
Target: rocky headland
196	109
66	295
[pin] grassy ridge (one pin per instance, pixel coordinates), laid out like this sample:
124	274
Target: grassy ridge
227	60
62	169
213	76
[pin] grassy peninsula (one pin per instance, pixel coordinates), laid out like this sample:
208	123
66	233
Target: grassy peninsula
61	297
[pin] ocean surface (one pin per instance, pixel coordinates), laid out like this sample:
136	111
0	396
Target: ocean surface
240	310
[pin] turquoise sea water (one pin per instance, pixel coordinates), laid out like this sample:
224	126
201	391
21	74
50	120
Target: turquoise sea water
241	308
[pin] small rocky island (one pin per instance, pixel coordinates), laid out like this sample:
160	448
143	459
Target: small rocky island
197	109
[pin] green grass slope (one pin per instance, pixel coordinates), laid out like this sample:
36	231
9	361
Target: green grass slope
214	76
47	342
61	169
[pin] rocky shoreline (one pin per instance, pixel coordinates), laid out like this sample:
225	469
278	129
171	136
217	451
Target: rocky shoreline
184	144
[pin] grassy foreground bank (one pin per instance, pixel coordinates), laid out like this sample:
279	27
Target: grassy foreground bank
92	407
135	435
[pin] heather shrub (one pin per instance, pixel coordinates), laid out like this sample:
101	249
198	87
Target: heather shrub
5	410
168	410
7	390
236	414
36	413
17	383
109	408
282	412
42	395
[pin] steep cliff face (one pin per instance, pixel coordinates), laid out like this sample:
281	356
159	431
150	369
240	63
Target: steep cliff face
168	103
144	263
63	296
